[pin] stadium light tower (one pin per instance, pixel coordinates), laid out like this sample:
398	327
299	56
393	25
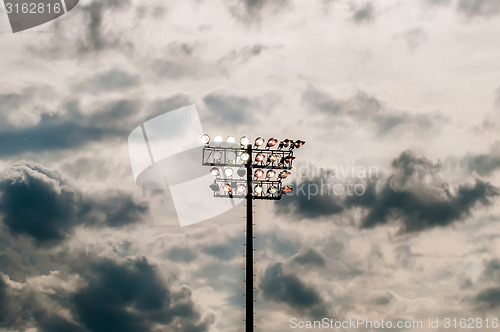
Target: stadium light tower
272	161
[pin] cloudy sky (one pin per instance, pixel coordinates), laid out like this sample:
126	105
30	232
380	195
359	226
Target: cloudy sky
407	89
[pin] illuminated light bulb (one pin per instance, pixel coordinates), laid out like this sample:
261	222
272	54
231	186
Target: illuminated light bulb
270	174
217	155
287	190
227	187
284	174
218	139
287	143
260	157
259	141
258	173
244	141
299	143
289	159
272	190
229	172
272	158
231	140
231	156
241	189
214	171
258	189
205	139
272	142
245	156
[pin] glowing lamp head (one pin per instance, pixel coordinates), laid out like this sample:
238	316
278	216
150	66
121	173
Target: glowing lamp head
272	142
273	158
231	140
258	173
218	139
214	171
287	190
229	172
205	139
244	141
299	143
260	157
259	141
284	174
241	189
258	189
227	188
289	159
270	174
272	190
245	156
287	143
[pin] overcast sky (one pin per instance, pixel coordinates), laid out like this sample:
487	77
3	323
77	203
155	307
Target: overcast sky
410	89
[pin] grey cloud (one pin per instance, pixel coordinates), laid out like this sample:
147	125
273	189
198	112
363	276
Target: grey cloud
414	38
226	251
479	8
437	2
110	80
310	256
370	111
251	10
489	298
278	286
71	129
484	164
230	109
177	254
491	270
413	196
364	13
47	206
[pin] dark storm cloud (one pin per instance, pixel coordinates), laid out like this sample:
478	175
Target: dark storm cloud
110	80
479	8
489	298
131	296
310	256
71	129
252	10
413	196
120	296
368	110
278	286
363	13
301	204
46	206
230	109
484	164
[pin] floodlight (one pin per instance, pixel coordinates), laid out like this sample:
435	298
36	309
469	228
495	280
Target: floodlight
241	189
218	139
241	172
272	142
258	189
270	174
217	155
272	190
287	190
214	171
299	143
289	159
231	140
244	141
215	187
287	143
272	158
259	141
260	157
227	187
245	156
231	156
205	139
229	172
258	173
284	174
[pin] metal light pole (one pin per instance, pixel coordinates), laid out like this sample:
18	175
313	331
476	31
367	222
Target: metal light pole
228	155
